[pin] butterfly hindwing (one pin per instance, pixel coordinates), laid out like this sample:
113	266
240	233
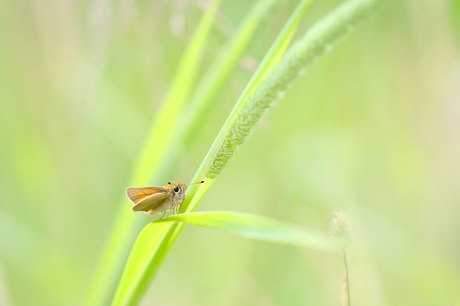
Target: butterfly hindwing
153	202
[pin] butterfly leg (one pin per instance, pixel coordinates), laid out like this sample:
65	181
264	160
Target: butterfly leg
163	214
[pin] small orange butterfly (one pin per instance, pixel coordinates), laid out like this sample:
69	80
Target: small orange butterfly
154	200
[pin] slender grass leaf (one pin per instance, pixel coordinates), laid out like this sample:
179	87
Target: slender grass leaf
139	268
163	127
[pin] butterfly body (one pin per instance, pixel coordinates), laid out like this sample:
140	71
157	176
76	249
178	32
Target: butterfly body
155	200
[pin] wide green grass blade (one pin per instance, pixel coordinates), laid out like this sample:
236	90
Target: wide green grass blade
128	292
139	267
256	227
155	148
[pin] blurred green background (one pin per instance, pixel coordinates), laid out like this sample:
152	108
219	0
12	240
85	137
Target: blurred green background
372	128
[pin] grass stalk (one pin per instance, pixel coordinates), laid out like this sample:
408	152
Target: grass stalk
346	292
340	227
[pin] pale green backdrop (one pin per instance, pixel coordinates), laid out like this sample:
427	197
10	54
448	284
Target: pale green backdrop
373	128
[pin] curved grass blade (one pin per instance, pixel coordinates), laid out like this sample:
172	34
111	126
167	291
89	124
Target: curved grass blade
129	291
109	269
257	227
139	269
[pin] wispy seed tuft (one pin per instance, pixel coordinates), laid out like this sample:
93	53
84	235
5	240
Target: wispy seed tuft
340	227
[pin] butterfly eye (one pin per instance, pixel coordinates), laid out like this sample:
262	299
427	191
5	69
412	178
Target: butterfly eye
176	189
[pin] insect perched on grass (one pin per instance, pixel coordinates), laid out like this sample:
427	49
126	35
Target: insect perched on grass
154	200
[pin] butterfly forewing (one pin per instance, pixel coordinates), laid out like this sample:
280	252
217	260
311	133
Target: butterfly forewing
152	203
137	194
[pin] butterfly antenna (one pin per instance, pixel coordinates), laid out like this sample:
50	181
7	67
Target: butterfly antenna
201	182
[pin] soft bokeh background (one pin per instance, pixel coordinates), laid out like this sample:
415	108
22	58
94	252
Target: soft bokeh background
373	128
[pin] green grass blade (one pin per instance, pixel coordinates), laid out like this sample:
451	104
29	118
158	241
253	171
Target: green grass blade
148	163
270	60
277	49
139	268
257	227
133	276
